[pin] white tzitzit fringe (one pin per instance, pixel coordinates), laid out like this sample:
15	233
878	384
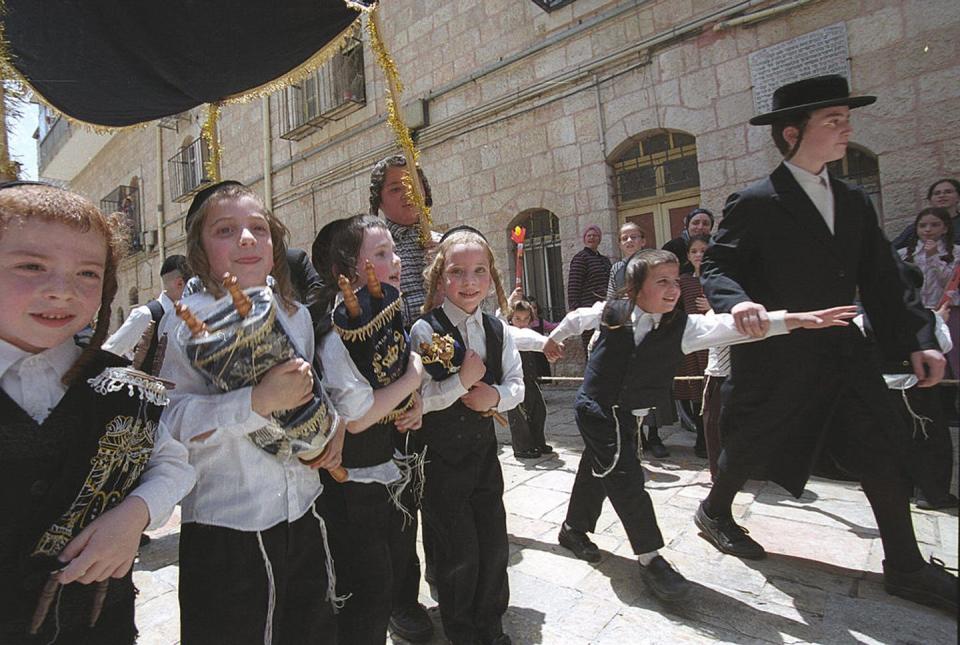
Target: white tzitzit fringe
114	379
271	593
419	474
616	455
56	618
918	419
408	465
335	600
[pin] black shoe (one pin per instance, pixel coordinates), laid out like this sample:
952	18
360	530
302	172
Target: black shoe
728	536
412	623
930	585
502	639
533	453
665	583
546	449
579	543
948	501
658	450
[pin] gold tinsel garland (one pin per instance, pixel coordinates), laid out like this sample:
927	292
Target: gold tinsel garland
211	167
400	130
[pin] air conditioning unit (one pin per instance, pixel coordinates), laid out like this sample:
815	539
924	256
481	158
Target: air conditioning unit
150	239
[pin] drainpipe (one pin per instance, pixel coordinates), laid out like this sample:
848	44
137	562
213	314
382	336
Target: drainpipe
757	16
267	153
161	220
602	139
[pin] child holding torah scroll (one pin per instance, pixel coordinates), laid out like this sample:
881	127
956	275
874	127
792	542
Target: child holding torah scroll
254	565
372	378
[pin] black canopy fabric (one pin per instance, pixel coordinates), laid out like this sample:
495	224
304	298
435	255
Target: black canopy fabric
121	62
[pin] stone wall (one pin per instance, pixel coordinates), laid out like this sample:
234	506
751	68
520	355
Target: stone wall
525	109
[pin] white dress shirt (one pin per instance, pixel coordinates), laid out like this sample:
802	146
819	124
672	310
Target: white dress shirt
34	383
439	395
702	331
239	486
123	341
347	388
817	188
908	380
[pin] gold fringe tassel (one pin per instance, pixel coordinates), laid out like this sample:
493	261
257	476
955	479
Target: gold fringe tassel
303	70
211	137
400	130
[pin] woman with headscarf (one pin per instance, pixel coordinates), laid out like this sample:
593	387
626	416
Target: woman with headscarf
699	221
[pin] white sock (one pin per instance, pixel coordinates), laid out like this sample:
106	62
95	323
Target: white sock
647	558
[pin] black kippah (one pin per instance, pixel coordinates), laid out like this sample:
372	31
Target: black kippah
24	182
460	228
203	196
173	263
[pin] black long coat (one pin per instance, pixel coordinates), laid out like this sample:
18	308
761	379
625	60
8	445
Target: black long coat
788	397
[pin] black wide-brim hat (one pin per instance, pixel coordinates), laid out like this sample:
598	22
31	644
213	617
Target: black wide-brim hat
810	94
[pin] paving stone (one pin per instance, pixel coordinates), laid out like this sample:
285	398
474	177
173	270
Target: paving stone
821	582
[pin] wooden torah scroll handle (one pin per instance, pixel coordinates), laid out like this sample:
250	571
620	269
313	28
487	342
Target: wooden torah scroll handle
47	595
349	297
373	284
499	418
241	301
196	326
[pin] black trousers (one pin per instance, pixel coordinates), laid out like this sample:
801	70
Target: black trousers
853	447
712	410
527	420
224	587
463	507
114	627
931	458
358	524
599	426
403	550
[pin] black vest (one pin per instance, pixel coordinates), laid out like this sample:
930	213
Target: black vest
455	432
368	448
47	471
632	376
156	315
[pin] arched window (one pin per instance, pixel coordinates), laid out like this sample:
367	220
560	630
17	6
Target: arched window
542	264
133	296
656	165
656	181
859	167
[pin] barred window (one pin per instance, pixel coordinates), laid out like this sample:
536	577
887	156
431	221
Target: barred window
542	262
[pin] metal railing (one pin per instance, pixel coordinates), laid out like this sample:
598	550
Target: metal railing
126	200
337	88
187	171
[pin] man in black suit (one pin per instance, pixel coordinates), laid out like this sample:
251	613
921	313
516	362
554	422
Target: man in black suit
801	240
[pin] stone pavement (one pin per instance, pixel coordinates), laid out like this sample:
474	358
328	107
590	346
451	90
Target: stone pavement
821	582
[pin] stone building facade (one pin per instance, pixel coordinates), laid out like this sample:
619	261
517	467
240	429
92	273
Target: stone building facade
594	112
